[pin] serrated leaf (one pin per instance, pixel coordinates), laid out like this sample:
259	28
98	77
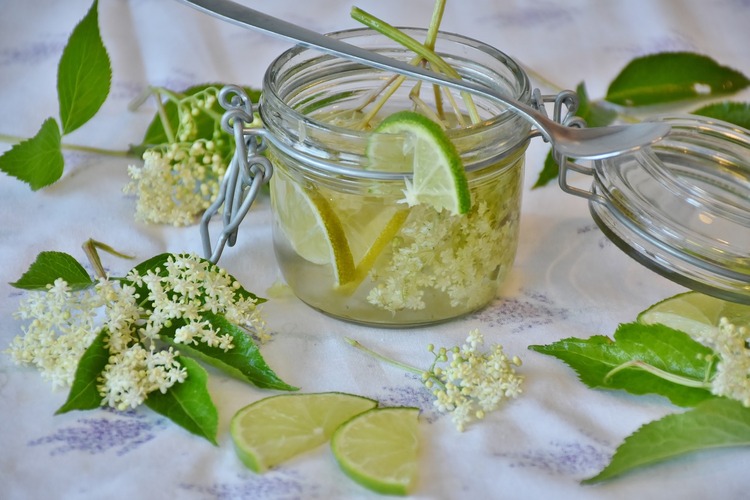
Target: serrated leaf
84	74
673	76
657	345
84	394
716	423
737	113
50	266
549	172
37	161
189	403
243	361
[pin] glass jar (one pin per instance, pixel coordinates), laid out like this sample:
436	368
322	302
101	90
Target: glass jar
345	242
682	206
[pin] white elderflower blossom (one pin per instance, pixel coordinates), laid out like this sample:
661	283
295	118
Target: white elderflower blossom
469	384
132	314
474	382
732	378
180	179
449	253
62	324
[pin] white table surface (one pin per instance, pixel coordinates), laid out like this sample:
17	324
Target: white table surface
568	279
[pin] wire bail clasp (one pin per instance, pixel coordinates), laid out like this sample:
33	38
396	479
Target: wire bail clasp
247	172
564	112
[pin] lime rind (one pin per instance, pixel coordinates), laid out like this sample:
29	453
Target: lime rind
419	145
379	449
311	226
275	429
695	313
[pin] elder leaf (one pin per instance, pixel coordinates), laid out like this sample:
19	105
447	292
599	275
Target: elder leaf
84	74
673	76
549	172
715	423
84	394
37	161
189	403
737	113
50	266
243	361
657	345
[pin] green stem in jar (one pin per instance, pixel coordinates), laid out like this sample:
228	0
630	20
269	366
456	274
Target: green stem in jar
437	62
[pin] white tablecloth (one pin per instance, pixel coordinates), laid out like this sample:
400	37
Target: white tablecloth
568	279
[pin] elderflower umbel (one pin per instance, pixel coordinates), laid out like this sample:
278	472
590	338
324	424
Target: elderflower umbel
452	254
179	180
732	377
473	382
62	323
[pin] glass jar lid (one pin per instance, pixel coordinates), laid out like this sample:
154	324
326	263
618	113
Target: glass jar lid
681	207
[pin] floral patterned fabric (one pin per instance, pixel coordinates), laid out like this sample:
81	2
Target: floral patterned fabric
568	279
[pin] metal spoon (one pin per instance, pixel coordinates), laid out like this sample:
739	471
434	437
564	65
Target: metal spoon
584	143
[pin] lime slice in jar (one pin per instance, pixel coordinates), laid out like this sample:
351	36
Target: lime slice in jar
275	429
695	313
312	226
379	449
409	142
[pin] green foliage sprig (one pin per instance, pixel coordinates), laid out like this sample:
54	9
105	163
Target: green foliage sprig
155	322
666	78
709	376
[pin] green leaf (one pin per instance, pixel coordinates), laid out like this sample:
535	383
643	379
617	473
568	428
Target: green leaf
84	394
549	173
37	161
243	362
673	76
737	113
50	266
189	403
84	74
716	423
657	345
595	113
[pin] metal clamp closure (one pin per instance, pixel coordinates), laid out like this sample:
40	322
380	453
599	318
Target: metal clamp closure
565	107
247	172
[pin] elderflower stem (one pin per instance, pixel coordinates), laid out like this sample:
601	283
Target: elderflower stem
376	355
14	139
665	375
425	53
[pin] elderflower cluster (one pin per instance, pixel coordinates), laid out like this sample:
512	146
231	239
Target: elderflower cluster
732	377
179	180
131	314
473	382
458	255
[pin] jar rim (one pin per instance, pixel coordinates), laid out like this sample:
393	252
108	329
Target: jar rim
272	97
682	206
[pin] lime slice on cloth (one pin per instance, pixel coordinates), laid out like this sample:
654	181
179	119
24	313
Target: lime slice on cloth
312	226
409	142
276	428
695	313
379	449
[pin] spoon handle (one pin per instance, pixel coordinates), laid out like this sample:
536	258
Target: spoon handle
247	17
